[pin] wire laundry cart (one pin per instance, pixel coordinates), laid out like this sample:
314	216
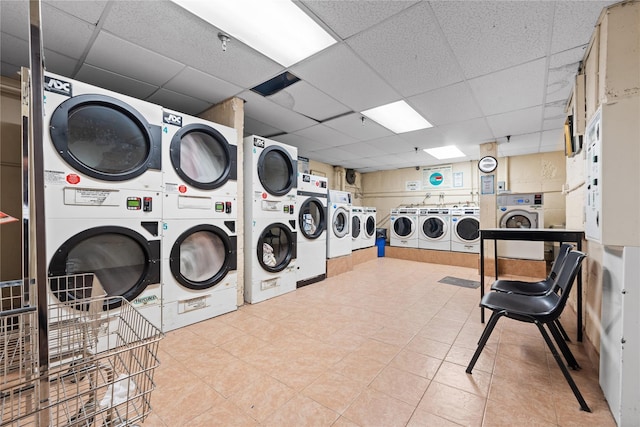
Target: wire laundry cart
101	363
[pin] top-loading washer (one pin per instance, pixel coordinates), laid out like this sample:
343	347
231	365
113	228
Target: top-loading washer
404	227
100	140
465	229
435	226
311	262
521	211
199	165
369	223
338	236
357	215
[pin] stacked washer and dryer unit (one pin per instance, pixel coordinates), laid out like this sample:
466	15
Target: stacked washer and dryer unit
103	194
200	212
311	262
270	246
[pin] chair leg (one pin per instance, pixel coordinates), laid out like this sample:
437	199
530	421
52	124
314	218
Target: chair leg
564	348
562	331
483	339
565	372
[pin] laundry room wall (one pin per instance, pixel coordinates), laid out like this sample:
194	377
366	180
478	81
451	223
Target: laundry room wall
10	179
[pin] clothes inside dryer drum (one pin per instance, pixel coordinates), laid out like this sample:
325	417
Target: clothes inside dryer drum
468	229
518	221
276	247
202	256
202	158
433	228
402	226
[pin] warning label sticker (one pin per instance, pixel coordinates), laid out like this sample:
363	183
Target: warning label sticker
54	177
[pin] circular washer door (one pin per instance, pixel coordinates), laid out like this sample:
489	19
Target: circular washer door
122	259
468	229
355	226
202	256
518	219
276	170
370	226
105	138
203	157
340	222
312	218
403	226
276	247
434	228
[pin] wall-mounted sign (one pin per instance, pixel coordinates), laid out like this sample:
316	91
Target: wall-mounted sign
437	177
487	164
457	180
412	186
487	184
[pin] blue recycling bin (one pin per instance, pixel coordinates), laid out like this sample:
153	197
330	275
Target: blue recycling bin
380	242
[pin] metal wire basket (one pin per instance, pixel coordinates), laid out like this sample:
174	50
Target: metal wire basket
101	363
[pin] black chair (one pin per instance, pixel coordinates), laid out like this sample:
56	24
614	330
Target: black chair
540	310
540	287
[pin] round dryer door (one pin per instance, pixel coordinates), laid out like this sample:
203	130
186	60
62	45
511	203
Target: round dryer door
518	219
355	226
276	247
123	260
203	157
340	223
434	228
277	170
105	138
468	229
312	218
370	226
403	226
202	256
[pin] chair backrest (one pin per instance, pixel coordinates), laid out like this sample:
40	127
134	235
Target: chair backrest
565	248
567	274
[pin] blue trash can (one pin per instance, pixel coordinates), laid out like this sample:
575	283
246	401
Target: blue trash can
381	240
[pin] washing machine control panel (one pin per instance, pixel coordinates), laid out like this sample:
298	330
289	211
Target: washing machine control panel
140	203
223	207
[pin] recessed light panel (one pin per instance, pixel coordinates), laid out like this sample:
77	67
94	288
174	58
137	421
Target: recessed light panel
447	152
398	117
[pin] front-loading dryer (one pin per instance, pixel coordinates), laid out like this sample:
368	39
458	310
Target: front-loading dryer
357	216
435	226
270	258
465	229
199	165
521	211
98	139
338	236
369	223
404	227
311	263
199	269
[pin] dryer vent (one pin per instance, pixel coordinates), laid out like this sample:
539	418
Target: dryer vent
350	176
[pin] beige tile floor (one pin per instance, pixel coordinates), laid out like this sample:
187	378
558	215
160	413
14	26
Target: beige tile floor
383	345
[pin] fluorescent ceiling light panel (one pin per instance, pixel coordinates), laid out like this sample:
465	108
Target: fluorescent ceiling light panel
398	117
276	28
448	152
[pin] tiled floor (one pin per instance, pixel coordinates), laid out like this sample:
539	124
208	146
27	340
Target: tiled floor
383	345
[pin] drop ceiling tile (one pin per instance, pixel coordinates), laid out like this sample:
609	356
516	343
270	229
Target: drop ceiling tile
167	29
328	156
115	82
552	140
488	36
336	153
409	52
473	131
195	83
347	18
305	144
517	122
326	135
353	83
89	11
449	104
272	114
14	19
512	89
519	145
178	102
554	116
574	22
563	68
255	127
424	138
59	64
363	149
14	50
303	98
72	35
9	70
122	57
353	126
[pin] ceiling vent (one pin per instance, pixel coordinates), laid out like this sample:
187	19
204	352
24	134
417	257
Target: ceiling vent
276	84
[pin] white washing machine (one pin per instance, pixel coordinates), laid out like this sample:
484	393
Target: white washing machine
521	211
404	227
270	179
357	216
199	269
338	236
99	140
369	223
465	229
311	262
199	165
270	259
435	229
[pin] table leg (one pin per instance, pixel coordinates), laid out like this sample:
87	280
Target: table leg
579	299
